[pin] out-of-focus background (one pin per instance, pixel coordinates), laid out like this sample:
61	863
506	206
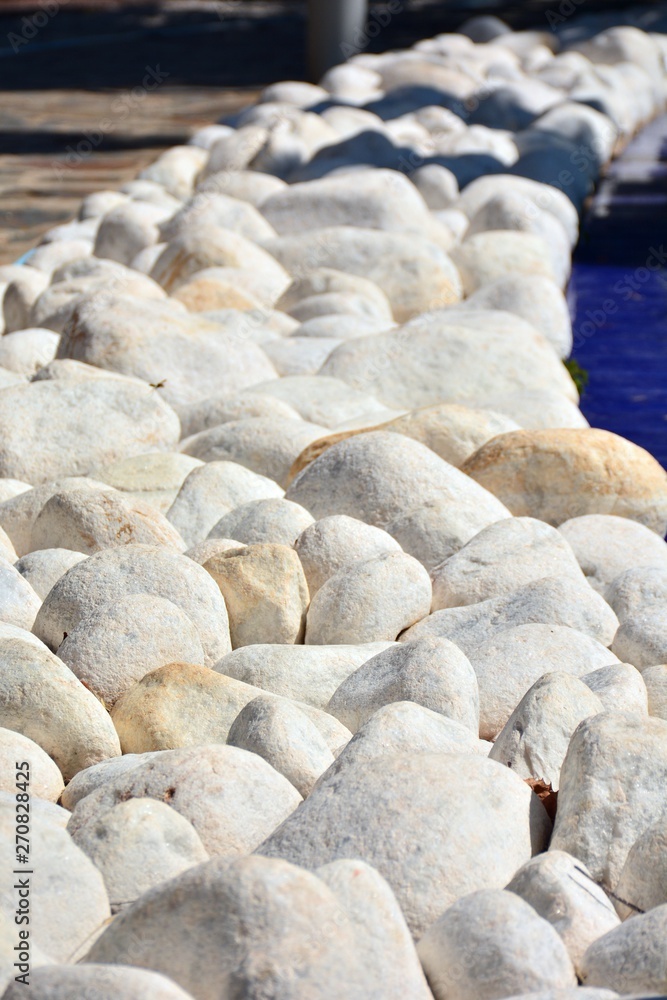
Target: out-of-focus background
153	72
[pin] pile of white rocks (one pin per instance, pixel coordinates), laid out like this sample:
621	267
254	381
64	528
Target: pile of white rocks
315	585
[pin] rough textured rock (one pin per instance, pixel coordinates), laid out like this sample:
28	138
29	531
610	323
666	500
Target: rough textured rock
86	781
630	958
213	490
232	798
655	679
642	638
369	601
550	601
619	684
43	568
19	603
611	790
435	359
19	513
153	477
96	982
500	559
557	475
433	673
267	446
560	889
42	699
89	520
606	546
90	423
643	881
535	738
307	673
280	733
534	298
320	400
193	358
136	569
634	591
492	944
476	823
118	643
265	591
28	350
270	520
69	903
138	844
182	705
46	781
379	476
225	406
334	542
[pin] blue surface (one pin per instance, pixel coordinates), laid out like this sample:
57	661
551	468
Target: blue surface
618	296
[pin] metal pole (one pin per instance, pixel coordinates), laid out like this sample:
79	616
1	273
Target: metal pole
335	31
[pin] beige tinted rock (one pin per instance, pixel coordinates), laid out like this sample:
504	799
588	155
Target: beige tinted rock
536	409
378	476
22	291
96	982
267	446
332	543
274	918
57	305
136	569
642	638
43	569
46	781
203	551
306	673
10	488
220	210
114	419
415	273
265	591
534	298
508	664
491	944
19	603
213	490
7	550
176	170
328	281
87	781
246	185
611	790
643	881
655	679
281	734
452	431
43	700
405	727
435	359
137	845
155	477
89	520
501	558
18	514
28	350
193	358
630	958
471	817
619	684
301	356
118	643
535	738
369	601
563	893
127	229
69	904
557	475
433	673
635	591
551	601
232	798
269	520
606	546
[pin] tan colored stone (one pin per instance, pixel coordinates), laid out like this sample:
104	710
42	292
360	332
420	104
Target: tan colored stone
556	475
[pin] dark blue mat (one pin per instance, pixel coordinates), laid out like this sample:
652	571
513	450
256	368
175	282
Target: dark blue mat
618	296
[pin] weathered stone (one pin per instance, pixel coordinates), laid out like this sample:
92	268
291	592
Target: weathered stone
634	591
655	679
619	684
267	520
489	944
155	477
26	351
96	982
118	643
452	431
45	779
630	958
607	546
536	299
369	601
335	542
265	591
43	568
642	638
